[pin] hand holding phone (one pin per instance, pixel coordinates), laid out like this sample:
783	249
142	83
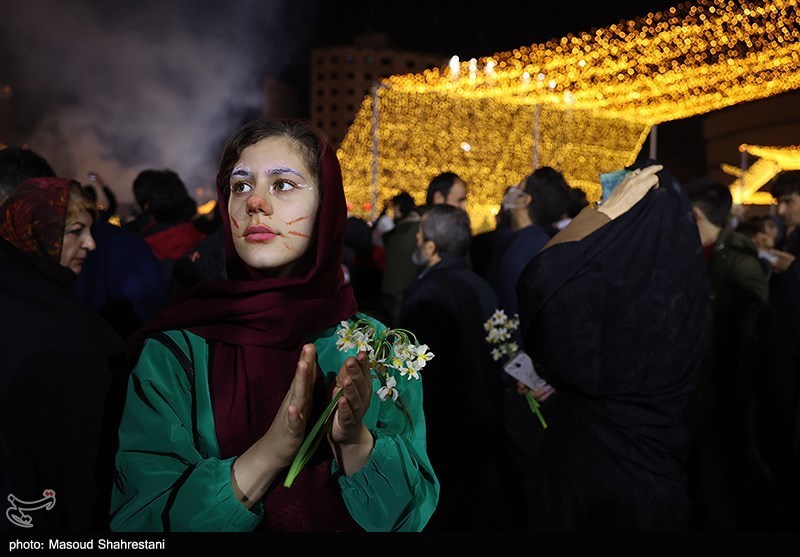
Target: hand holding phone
520	367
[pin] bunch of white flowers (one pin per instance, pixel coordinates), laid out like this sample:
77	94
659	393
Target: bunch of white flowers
500	326
391	349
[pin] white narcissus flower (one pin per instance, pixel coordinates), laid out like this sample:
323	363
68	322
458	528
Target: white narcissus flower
410	372
495	335
389	390
396	361
422	356
346	340
361	341
497	353
403	350
499	317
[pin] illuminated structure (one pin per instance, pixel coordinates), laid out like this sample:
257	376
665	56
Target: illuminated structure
341	76
771	161
583	104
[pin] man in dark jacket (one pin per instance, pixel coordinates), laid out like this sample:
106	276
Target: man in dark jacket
725	450
781	408
399	245
446	308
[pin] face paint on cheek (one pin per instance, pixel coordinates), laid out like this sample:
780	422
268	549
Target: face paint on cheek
287	246
236	224
295	233
298	219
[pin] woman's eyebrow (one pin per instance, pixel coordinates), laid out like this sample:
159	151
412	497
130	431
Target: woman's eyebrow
240	172
283	170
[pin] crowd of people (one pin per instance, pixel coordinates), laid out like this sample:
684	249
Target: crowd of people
165	373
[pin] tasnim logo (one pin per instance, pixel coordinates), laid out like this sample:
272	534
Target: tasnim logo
16	512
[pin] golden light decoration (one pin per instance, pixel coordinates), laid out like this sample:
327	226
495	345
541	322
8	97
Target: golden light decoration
771	161
582	104
206	207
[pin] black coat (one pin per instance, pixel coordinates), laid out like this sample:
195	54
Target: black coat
619	323
446	308
59	365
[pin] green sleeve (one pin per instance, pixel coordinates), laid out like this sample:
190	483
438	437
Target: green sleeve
397	490
165	481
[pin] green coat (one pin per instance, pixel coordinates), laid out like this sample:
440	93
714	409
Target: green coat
739	287
166	482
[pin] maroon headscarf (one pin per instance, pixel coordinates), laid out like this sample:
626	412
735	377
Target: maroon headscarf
255	327
33	217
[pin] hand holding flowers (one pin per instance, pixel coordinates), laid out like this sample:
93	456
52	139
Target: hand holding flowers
382	355
349	438
499	328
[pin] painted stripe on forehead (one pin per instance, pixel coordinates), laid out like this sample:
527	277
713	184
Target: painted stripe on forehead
244	171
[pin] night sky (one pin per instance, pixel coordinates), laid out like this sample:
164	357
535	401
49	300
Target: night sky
116	86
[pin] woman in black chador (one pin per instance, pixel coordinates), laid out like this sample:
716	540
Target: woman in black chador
614	312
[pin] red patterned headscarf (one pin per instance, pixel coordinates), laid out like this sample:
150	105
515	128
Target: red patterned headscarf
34	216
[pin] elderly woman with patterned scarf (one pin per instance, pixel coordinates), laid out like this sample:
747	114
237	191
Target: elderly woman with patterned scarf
58	362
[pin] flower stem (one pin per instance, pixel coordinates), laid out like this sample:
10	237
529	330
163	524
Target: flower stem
312	441
532	402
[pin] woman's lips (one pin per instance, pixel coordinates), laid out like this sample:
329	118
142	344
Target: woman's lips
258	234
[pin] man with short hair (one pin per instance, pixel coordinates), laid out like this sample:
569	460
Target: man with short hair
447	188
786	191
781	410
725	447
446	308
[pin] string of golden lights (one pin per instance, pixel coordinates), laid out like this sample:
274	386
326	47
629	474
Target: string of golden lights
582	103
771	161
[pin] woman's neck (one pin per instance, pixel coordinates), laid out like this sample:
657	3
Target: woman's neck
520	219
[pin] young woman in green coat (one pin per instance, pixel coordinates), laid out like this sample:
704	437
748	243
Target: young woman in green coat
209	451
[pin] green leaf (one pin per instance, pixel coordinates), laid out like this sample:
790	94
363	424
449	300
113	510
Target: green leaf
312	441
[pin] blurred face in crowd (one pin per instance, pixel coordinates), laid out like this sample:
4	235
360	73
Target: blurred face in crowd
78	241
273	204
770	229
457	196
516	197
762	240
789	209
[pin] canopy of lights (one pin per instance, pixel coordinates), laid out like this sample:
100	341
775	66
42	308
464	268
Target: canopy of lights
583	104
751	178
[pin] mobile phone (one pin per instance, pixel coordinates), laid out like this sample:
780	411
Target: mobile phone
610	180
521	368
771	257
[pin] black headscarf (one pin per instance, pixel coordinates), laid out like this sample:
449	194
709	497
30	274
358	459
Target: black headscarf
604	313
